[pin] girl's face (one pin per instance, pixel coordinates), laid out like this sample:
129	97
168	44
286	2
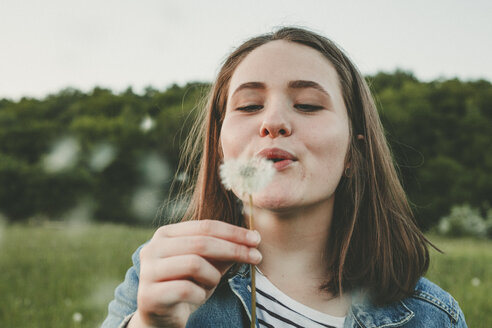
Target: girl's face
285	104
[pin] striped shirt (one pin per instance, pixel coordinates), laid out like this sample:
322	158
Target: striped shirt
275	309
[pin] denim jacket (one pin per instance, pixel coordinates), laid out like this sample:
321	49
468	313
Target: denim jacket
229	306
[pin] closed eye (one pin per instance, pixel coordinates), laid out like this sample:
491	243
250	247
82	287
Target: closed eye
250	108
308	107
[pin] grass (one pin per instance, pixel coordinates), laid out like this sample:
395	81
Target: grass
52	274
465	270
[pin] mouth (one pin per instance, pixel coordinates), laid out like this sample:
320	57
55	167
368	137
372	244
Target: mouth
281	158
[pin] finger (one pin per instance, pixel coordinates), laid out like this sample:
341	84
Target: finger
170	293
183	267
212	228
210	248
223	267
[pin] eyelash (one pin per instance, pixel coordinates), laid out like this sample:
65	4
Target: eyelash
308	108
250	108
301	107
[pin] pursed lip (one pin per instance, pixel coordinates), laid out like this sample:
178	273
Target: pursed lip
276	153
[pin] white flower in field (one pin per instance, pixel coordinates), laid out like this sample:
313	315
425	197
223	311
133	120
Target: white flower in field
77	317
102	155
444	226
475	282
63	156
147	124
246	176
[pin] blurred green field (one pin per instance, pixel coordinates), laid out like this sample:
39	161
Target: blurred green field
60	276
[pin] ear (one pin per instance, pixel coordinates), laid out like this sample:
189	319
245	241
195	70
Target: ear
360	137
346	172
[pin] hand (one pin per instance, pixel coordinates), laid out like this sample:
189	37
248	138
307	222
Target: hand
182	265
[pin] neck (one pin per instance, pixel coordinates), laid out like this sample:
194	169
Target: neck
294	254
294	241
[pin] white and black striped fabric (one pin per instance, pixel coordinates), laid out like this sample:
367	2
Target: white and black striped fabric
274	309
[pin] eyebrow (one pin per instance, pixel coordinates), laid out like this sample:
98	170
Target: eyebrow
297	84
250	85
303	84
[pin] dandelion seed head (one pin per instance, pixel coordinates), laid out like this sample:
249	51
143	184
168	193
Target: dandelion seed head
247	176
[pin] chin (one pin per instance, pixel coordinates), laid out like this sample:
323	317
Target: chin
273	202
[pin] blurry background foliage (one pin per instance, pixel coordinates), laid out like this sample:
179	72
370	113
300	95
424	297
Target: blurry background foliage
101	156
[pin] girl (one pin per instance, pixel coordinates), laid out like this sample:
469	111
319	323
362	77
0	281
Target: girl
339	246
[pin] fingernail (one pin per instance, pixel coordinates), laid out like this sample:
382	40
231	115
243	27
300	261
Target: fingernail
255	255
253	237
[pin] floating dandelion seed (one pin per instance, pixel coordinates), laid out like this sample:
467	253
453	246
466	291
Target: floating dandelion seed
247	176
475	282
182	177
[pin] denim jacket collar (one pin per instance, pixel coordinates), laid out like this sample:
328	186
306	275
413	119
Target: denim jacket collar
368	316
241	286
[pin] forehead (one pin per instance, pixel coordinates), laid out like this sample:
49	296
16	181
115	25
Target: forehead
278	62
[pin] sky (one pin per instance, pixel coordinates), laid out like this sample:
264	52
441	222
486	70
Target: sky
49	45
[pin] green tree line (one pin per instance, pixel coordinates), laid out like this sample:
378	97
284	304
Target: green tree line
111	157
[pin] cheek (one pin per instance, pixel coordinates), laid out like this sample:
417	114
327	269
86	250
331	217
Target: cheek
230	139
329	149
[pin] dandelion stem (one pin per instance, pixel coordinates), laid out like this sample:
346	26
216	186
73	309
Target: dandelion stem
252	269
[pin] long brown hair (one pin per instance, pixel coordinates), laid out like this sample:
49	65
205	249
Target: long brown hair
375	245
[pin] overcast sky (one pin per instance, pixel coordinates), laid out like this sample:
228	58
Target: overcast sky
52	44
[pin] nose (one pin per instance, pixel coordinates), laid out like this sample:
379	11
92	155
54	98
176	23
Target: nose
275	123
